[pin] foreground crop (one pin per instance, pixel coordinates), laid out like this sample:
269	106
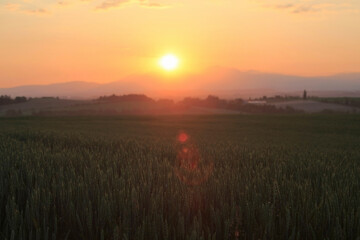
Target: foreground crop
238	178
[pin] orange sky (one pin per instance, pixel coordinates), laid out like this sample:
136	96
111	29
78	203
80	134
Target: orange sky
47	41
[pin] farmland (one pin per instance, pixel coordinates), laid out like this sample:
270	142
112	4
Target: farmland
180	177
318	106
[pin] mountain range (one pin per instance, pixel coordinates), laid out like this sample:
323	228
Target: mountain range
223	82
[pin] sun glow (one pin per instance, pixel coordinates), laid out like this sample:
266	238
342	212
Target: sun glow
169	62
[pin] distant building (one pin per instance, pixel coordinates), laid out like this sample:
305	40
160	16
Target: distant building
257	102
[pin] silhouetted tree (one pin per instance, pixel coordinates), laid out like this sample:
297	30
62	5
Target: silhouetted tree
305	95
167	102
236	104
191	101
4	100
126	98
20	99
214	101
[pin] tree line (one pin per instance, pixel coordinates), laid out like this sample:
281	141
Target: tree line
210	101
5	100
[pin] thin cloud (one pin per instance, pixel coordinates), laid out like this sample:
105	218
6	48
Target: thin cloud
63	3
153	5
296	8
108	4
69	2
284	6
111	4
34	7
310	6
306	9
15	7
38	11
12	6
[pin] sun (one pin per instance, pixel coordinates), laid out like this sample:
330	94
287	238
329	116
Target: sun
169	62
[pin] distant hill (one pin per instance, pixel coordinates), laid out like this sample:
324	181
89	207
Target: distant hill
223	82
63	90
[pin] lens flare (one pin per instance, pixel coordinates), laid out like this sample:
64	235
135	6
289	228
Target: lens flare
190	167
183	137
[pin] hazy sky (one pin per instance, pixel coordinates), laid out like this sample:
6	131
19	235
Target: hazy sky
46	41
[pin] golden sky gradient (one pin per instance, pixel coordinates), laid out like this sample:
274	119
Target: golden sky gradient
47	41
